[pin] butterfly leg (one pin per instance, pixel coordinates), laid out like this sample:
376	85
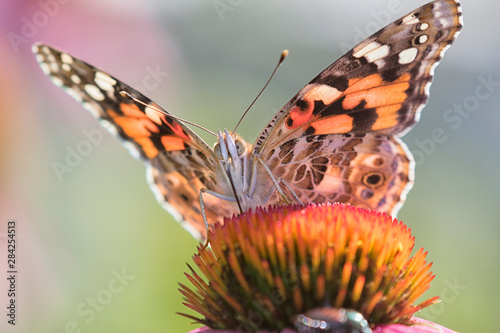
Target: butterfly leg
276	186
202	204
280	180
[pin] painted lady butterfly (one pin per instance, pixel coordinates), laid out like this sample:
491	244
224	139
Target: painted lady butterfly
337	140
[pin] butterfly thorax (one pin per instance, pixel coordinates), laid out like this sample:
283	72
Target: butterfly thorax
241	176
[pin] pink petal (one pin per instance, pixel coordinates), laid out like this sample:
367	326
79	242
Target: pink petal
208	330
419	326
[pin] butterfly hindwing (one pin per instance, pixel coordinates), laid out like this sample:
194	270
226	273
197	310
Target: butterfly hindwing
364	169
379	87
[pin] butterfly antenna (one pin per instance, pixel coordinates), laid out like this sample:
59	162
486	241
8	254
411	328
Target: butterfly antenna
282	57
126	94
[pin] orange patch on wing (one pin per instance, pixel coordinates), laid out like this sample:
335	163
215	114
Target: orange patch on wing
378	96
365	83
172	143
131	110
134	126
147	146
147	120
372	81
375	91
177	130
299	116
138	126
387	117
337	124
313	93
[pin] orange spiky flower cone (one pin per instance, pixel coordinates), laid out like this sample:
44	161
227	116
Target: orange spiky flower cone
309	269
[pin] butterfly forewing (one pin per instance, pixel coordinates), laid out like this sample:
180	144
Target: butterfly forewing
378	87
179	163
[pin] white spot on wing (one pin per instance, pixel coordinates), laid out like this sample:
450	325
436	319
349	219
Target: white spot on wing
422	39
424	26
76	79
76	95
51	58
104	81
66	67
45	68
380	63
427	89
410	19
381	52
109	127
66	58
54	67
460	17
323	92
365	49
132	149
90	108
408	55
153	114
57	81
94	92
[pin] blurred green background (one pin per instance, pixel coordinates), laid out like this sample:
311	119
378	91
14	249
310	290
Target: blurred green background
78	231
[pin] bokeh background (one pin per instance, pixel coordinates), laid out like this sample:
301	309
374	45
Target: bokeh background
78	230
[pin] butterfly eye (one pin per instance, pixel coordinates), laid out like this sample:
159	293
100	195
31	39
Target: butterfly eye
217	152
241	147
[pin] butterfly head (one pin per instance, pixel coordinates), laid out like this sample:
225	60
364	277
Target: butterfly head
229	148
231	151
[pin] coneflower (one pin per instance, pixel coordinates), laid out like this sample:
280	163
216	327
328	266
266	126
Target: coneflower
320	268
